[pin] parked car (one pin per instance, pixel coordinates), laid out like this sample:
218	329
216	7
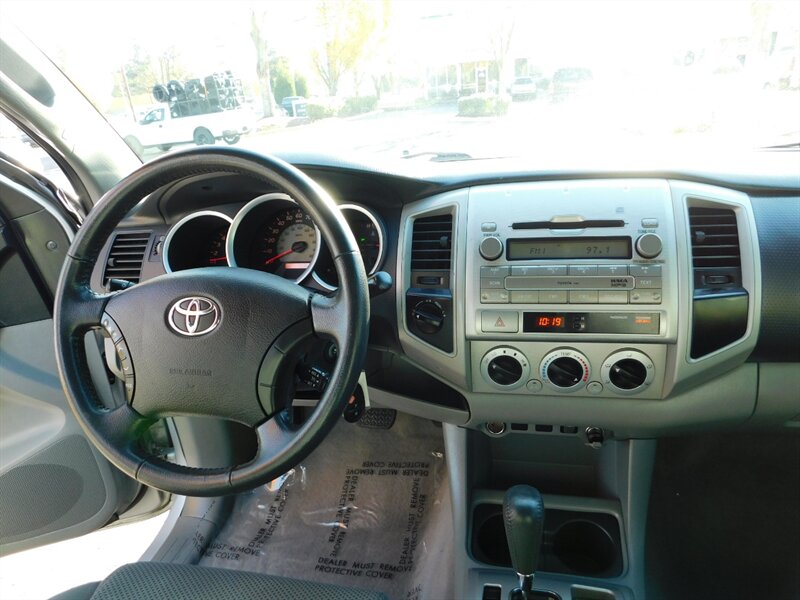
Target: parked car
570	81
523	88
295	106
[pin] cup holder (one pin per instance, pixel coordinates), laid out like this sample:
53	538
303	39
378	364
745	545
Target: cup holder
574	543
491	544
584	547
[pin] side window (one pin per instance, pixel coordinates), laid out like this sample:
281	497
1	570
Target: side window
18	145
154	116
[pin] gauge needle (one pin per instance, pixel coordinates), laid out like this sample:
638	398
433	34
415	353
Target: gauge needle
214	260
296	247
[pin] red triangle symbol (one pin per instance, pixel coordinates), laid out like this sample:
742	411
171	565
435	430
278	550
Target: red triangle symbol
499	322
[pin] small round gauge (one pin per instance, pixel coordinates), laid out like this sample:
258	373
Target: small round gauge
369	233
273	234
197	240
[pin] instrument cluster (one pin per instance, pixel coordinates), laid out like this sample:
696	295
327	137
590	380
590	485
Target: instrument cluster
271	233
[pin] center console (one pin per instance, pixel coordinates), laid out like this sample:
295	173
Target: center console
574	317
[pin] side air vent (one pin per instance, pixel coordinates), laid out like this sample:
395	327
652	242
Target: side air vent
715	247
720	304
126	256
431	243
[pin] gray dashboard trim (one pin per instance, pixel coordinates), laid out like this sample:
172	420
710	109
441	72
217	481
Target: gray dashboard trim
715	391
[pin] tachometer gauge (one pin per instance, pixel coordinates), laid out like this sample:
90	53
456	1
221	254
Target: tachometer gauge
197	240
215	254
273	234
369	233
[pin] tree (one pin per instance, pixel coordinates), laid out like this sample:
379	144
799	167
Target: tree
282	80
140	73
346	27
171	68
257	34
500	36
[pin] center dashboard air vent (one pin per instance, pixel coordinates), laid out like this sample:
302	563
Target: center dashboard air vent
431	243
126	257
720	303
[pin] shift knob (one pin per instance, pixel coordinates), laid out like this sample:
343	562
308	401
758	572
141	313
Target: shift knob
523	514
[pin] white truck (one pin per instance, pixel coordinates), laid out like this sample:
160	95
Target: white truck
162	128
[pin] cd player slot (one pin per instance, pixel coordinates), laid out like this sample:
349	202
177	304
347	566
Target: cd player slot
591	223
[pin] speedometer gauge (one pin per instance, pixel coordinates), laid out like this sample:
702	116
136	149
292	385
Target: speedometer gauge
273	234
286	244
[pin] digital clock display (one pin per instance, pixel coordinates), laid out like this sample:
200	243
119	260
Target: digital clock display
557	249
544	322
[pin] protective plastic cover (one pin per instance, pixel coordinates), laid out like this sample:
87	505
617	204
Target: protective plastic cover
370	508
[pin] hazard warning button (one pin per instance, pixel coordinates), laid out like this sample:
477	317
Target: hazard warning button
499	321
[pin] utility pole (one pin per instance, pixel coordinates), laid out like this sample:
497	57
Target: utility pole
127	91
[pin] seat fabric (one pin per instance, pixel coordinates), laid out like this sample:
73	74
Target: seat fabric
157	581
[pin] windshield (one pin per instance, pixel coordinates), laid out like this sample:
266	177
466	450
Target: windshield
431	80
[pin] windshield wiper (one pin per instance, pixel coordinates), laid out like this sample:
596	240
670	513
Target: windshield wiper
439	156
788	146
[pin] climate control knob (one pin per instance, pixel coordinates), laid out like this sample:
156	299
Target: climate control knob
565	370
505	368
627	372
428	316
491	248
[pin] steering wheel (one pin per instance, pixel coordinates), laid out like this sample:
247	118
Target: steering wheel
209	341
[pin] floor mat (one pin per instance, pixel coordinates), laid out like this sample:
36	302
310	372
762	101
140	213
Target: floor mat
724	518
369	508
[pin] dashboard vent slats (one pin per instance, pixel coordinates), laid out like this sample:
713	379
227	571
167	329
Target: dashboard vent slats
431	243
126	257
715	238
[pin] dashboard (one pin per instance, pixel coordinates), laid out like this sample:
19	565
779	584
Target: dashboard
539	302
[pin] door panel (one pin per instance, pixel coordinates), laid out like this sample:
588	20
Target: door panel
53	484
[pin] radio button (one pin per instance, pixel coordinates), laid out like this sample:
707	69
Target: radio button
495	271
649	223
499	321
646	297
648	283
492	283
540	270
552	297
567	283
613	270
582	297
583	269
613	297
494	297
488	227
524	297
645	270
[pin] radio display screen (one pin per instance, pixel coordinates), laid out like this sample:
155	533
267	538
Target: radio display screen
557	248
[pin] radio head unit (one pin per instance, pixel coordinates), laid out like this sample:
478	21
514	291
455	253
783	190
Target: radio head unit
606	270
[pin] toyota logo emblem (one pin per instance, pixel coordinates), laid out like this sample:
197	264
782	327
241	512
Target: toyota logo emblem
193	316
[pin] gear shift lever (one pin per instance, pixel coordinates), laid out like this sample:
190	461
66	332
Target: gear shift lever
523	514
